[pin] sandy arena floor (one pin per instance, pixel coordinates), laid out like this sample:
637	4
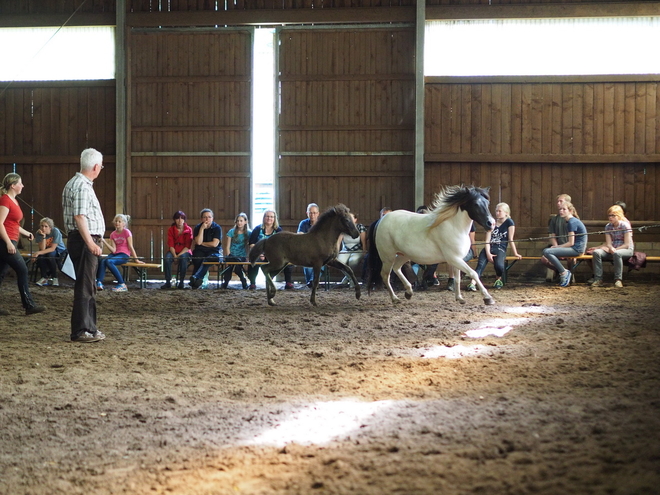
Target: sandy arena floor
550	391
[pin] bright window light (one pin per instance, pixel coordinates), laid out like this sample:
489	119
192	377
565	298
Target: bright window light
542	47
57	54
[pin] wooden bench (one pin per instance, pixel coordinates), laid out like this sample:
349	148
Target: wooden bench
512	260
223	266
140	269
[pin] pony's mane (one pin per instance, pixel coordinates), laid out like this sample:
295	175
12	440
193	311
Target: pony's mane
450	198
328	214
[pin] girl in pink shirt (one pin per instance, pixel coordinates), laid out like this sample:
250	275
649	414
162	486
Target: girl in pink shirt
121	249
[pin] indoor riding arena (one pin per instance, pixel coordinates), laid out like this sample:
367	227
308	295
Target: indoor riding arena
260	106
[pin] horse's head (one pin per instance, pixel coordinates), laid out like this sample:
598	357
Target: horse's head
476	206
346	221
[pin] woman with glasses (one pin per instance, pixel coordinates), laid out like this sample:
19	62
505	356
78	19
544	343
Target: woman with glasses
269	226
618	246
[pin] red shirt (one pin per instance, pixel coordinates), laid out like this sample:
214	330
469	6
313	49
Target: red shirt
14	216
179	241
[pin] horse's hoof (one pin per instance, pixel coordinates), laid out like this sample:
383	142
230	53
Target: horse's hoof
489	302
271	302
462	301
357	293
408	295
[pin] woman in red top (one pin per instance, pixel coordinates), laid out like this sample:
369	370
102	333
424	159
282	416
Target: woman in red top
10	231
179	240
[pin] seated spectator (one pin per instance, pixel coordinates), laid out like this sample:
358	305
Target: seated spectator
352	250
179	241
497	243
235	247
121	249
303	228
618	246
269	226
205	247
558	234
51	249
576	242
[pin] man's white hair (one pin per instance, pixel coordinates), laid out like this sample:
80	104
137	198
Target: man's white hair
89	158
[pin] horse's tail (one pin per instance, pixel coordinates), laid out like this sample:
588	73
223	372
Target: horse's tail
375	264
256	251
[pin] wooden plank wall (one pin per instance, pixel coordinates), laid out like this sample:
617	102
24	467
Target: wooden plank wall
189	126
598	142
22	7
44	127
347	97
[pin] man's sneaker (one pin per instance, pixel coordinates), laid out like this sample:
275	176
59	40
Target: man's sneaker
565	279
597	283
591	280
472	287
99	285
618	284
34	310
120	288
498	284
86	337
288	286
43	281
54	282
450	284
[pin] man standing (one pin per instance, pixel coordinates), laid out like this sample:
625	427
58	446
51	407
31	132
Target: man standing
303	228
85	226
206	246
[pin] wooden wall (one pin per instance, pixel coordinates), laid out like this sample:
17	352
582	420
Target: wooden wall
597	141
346	123
44	127
189	126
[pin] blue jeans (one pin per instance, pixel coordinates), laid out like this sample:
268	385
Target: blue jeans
617	259
499	256
554	253
47	264
111	262
309	273
199	257
184	261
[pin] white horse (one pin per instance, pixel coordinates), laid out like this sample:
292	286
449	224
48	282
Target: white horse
429	238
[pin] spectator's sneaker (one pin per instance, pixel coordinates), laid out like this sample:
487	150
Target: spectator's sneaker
253	287
195	283
120	288
99	285
42	282
597	283
565	279
450	284
244	284
180	285
54	282
472	287
498	284
288	286
591	281
618	284
166	286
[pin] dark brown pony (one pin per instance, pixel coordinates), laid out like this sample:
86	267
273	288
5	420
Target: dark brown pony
314	249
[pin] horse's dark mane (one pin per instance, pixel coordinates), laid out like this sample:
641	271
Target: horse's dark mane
450	198
328	214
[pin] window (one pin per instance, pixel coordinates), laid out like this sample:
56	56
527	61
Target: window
57	54
523	47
